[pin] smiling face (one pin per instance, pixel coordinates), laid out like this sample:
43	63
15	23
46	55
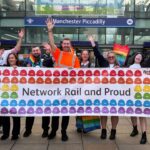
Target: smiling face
111	58
36	52
85	55
138	59
12	60
66	45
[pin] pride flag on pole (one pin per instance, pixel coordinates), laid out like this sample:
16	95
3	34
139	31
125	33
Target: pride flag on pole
121	52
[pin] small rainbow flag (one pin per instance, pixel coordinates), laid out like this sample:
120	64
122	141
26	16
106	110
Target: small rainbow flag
88	123
121	52
32	59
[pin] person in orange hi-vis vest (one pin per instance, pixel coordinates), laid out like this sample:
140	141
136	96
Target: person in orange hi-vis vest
63	59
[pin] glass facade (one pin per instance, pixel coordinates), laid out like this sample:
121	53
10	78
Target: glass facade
12	13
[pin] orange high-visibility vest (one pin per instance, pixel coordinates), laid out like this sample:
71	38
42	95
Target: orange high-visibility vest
66	59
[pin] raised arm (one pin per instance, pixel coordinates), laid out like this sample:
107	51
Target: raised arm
101	60
18	45
50	26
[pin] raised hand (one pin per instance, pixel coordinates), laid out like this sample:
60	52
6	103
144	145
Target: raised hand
91	39
21	33
50	24
18	45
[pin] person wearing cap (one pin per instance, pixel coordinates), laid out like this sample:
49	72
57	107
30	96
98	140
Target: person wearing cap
65	58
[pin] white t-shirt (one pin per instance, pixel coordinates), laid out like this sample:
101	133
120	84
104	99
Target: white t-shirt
135	66
3	58
111	65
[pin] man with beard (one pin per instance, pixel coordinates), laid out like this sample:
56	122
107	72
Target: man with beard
65	58
34	60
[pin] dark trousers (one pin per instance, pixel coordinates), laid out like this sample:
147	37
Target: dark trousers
64	123
6	126
30	122
0	121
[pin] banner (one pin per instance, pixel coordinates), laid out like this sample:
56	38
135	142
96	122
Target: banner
81	7
121	53
77	92
81	22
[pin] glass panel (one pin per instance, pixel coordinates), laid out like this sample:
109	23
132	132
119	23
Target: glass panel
12	22
119	35
142	8
84	32
101	35
86	7
33	35
39	35
10	33
10	8
44	35
142	23
30	5
13	5
120	8
98	33
141	36
61	33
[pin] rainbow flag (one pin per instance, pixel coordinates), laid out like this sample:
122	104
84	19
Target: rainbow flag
32	59
121	52
88	123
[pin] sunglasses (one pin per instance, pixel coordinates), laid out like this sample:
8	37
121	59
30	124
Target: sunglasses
111	57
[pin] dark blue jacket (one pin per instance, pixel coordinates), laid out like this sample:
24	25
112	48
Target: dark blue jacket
101	60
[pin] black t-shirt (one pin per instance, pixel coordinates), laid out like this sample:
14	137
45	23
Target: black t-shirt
47	60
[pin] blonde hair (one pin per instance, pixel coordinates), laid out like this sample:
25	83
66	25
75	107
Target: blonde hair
116	62
110	52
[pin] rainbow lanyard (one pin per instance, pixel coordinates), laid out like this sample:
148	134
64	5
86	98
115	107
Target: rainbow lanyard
35	62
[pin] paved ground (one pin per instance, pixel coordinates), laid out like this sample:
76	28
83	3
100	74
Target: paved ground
90	141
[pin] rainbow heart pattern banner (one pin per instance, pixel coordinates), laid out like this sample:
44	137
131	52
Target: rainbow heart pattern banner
74	92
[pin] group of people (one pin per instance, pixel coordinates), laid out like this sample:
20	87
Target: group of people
65	58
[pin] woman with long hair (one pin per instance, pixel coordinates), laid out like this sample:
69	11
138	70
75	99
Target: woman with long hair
85	59
136	64
12	61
